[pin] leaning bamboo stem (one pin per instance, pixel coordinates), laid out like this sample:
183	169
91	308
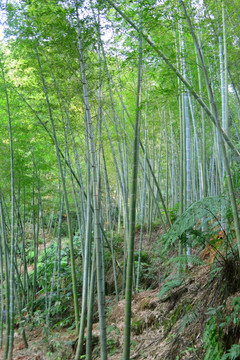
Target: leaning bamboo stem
219	129
210	114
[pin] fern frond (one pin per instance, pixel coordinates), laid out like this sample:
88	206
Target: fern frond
232	353
185	259
169	285
187	319
207	209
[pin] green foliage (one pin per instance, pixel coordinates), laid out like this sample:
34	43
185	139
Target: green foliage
50	258
232	353
30	257
137	326
207	208
65	269
169	285
190	316
137	226
112	328
184	259
144	256
117	248
38	318
66	321
214	313
236	176
60	311
187	351
213	336
112	345
211	340
173	212
64	229
234	316
171	319
147	274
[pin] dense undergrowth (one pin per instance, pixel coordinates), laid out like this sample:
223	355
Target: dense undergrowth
212	314
189	303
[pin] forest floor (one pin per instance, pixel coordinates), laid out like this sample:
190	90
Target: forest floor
167	328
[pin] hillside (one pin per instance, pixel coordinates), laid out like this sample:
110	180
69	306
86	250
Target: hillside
186	322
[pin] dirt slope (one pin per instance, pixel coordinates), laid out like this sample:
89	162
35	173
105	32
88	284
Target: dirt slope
167	328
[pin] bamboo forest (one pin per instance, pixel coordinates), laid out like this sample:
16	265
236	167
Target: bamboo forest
120	179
